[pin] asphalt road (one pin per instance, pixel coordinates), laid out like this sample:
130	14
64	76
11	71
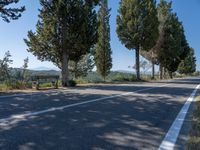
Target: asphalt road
95	117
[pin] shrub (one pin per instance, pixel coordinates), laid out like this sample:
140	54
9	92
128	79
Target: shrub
44	85
81	81
72	83
15	84
120	76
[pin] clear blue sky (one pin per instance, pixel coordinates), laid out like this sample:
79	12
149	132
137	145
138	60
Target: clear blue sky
12	34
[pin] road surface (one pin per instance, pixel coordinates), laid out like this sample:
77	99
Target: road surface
96	117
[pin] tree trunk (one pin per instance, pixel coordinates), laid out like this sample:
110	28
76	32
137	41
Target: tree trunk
165	73
161	72
65	70
104	79
153	70
75	70
137	58
171	75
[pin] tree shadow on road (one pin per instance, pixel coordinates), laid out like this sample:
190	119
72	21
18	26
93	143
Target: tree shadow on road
136	121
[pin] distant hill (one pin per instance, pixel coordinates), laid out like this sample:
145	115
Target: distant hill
44	72
14	71
125	71
44	68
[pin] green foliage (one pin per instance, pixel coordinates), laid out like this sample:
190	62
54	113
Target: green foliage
120	76
4	67
171	48
81	80
172	45
3	87
66	30
82	67
188	65
24	72
103	52
137	26
72	83
10	13
113	76
45	85
16	84
137	23
94	77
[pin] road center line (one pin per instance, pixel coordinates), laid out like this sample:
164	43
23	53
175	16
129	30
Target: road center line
19	117
172	135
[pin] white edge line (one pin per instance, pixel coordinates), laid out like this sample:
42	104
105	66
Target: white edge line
171	137
22	116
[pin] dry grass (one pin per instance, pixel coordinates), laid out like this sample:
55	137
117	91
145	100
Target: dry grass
194	141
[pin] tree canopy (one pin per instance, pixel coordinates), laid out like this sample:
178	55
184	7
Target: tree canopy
66	30
4	66
137	26
8	13
103	51
188	65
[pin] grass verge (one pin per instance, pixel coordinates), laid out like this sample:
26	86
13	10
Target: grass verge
194	140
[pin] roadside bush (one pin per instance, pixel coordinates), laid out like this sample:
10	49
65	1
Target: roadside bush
81	80
46	85
72	83
15	84
120	76
93	77
3	87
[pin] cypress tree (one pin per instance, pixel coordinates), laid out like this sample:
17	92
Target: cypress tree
188	65
172	46
103	52
10	13
172	49
137	26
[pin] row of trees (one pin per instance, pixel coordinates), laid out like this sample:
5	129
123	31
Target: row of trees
71	34
156	33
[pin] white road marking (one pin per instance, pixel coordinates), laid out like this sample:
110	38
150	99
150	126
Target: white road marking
4	121
171	137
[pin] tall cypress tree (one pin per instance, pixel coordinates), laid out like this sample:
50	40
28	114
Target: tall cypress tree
137	26
172	48
66	30
10	13
103	53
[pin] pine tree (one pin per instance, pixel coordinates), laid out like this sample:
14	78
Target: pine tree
103	52
10	13
66	30
137	26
